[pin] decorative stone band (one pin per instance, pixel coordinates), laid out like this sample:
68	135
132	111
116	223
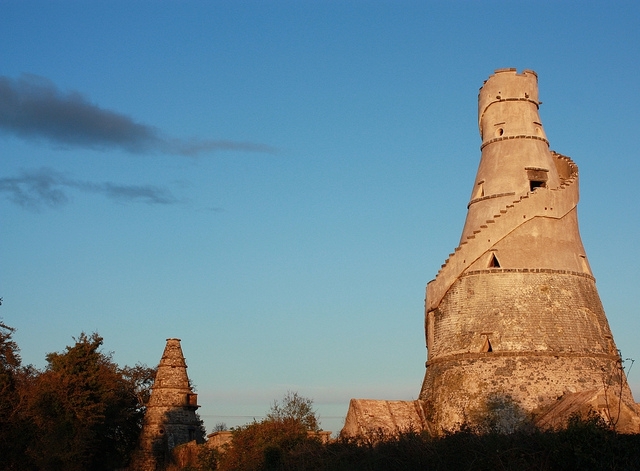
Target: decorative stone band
497	195
498	100
527	270
544	202
520	353
520	136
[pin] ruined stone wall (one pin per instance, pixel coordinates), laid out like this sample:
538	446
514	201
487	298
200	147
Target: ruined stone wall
373	419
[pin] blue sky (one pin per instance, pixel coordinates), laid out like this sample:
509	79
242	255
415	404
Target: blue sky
276	182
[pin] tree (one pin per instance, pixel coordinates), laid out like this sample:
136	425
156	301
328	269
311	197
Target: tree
220	427
14	430
140	379
86	409
295	407
267	444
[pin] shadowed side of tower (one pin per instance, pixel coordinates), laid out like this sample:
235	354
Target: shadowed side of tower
170	418
513	319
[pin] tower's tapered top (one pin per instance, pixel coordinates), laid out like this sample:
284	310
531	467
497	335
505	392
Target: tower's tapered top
172	355
172	370
507	85
515	149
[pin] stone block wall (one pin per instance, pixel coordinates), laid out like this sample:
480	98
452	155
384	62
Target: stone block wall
521	310
515	337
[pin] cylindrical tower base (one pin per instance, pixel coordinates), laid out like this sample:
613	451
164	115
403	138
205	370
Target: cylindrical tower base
506	343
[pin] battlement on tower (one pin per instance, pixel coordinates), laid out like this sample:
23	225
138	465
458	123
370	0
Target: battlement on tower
508	106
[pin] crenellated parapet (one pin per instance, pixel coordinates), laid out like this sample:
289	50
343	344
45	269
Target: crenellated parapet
507	87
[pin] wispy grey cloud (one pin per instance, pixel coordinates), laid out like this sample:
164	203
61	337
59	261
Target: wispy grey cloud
45	187
32	107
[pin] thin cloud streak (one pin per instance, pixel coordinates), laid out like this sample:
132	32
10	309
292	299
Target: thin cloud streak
32	107
46	187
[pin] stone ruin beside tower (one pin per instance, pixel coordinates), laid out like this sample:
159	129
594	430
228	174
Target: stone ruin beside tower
514	326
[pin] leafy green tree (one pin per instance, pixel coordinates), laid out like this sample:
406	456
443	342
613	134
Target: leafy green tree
262	445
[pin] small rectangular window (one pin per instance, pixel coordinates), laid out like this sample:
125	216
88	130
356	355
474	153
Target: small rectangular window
533	184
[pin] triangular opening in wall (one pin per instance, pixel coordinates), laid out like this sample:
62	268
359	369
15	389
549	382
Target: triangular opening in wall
585	265
479	193
493	261
487	348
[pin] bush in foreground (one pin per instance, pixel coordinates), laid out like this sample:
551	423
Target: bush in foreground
584	444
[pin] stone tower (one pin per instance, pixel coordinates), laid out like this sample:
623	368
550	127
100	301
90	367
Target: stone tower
171	418
514	324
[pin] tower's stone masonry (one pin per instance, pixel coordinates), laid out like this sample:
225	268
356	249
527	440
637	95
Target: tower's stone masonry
513	317
170	418
514	325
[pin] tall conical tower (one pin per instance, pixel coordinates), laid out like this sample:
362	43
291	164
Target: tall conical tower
513	319
170	418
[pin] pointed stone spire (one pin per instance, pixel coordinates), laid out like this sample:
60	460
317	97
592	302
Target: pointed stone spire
171	417
171	386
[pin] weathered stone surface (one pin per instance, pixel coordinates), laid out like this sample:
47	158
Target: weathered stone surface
371	418
218	440
171	418
514	325
514	316
619	410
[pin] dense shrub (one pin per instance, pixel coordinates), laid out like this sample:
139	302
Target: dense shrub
81	412
269	444
585	445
